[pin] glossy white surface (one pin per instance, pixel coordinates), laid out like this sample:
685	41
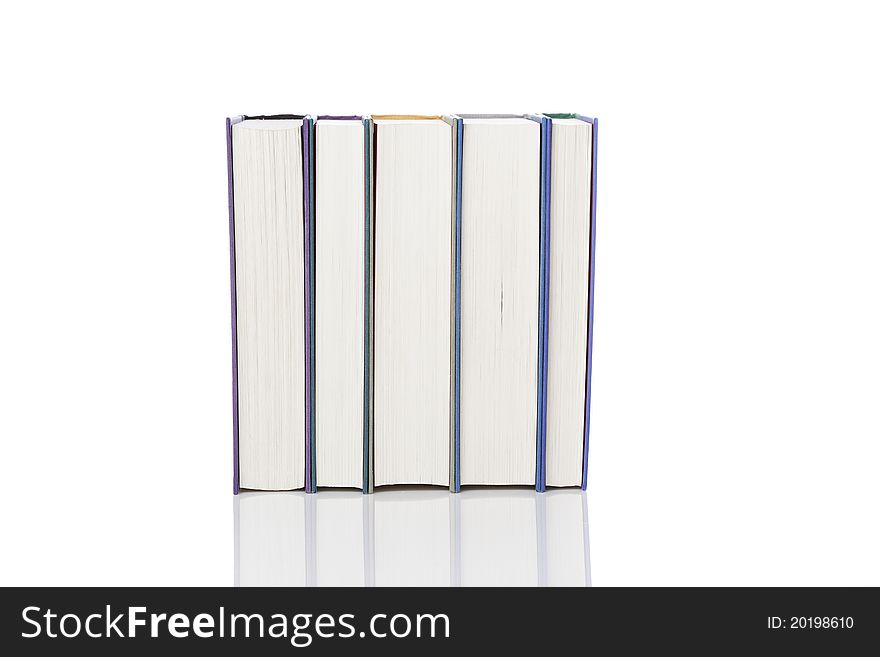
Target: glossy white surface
412	538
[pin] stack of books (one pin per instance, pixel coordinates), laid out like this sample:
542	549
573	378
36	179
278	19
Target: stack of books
412	299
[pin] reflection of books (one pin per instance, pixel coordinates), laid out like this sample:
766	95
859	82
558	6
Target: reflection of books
498	537
482	537
519	538
566	538
412	538
339	546
270	539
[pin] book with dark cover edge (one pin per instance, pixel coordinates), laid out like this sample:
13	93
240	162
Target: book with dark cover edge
543	289
308	232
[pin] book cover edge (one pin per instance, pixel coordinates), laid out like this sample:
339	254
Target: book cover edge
309	259
591	291
457	125
368	307
543	300
590	282
231	121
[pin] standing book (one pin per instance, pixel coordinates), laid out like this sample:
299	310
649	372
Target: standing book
498	295
269	165
570	299
412	177
342	299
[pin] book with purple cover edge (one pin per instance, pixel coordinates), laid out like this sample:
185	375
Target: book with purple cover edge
308	126
594	157
308	140
594	122
235	481
367	443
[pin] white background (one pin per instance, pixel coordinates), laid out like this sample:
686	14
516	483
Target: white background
737	367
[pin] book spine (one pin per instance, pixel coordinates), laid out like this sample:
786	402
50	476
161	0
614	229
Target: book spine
308	134
235	477
369	246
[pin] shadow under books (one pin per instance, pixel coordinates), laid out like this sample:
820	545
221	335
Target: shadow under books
413	537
